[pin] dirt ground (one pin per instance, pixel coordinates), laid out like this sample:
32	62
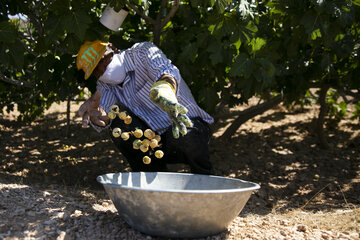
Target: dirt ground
48	187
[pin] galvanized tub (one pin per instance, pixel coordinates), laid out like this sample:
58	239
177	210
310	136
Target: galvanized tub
177	205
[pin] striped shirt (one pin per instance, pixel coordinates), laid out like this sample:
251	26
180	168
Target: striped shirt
145	64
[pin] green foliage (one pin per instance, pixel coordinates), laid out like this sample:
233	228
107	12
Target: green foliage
39	48
317	42
227	51
356	113
337	109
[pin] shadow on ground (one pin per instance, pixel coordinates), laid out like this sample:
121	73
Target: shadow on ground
292	170
282	156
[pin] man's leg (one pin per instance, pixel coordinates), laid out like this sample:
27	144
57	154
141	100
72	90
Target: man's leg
191	149
134	156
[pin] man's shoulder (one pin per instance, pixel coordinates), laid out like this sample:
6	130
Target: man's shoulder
143	45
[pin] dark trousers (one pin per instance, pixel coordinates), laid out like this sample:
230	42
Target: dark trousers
191	149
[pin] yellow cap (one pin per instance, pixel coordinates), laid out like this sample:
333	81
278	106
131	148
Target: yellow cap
89	56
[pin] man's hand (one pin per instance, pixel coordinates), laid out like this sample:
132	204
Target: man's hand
90	110
163	95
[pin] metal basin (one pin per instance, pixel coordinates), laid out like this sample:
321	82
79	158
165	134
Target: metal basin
177	205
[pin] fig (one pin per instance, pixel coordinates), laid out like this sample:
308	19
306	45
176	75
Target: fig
153	143
128	120
125	136
146	142
146	160
144	148
149	133
158	138
115	108
138	133
159	154
116	132
122	115
111	115
137	144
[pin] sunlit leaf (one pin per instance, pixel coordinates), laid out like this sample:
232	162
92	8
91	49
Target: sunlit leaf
356	2
257	44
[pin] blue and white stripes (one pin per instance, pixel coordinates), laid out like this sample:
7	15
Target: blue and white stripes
145	64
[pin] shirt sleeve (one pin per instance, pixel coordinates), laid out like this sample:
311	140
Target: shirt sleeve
106	101
108	98
157	63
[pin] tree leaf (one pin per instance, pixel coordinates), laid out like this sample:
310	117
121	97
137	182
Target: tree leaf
356	2
188	53
72	43
237	44
257	44
208	98
76	22
310	21
16	52
215	50
53	28
325	61
242	66
221	5
59	7
7	32
43	65
268	67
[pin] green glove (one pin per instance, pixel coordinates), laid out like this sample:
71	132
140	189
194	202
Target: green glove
163	95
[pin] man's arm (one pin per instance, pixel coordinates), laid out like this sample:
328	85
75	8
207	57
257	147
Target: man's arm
91	111
163	94
157	64
169	79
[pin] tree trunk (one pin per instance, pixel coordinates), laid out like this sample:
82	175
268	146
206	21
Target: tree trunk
158	23
319	123
248	114
157	33
68	116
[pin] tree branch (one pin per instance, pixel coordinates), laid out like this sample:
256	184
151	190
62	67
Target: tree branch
141	14
171	14
28	49
36	23
24	99
343	95
16	82
33	16
248	114
354	95
319	124
162	7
